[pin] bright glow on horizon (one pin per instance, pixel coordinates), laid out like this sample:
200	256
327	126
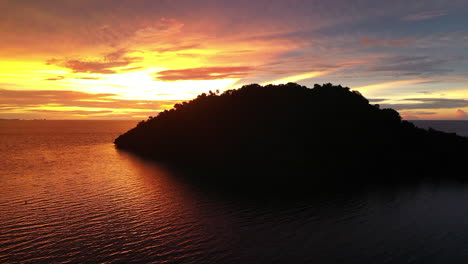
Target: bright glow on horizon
378	87
141	56
296	78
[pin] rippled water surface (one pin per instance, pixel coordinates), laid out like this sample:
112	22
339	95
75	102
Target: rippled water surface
68	196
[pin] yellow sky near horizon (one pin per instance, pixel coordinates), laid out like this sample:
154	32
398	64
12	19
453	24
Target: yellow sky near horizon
99	60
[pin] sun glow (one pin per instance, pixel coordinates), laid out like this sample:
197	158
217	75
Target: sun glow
373	89
299	77
132	91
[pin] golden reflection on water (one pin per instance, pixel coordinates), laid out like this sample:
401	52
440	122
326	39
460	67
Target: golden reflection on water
154	180
68	195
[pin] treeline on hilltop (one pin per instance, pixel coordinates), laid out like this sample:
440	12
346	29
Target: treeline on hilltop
328	129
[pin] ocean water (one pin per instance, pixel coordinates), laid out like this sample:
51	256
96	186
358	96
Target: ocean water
68	196
459	127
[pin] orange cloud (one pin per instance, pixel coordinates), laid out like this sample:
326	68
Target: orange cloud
61	77
73	112
204	73
94	66
58	78
51	98
106	66
176	47
460	114
88	78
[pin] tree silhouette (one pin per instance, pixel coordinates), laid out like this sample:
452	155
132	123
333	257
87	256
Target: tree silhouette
327	129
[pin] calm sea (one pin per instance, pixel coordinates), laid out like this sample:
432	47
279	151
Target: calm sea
68	196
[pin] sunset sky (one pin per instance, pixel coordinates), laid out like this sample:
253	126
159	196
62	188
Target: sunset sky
129	59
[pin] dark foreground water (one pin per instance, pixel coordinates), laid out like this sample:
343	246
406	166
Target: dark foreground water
68	196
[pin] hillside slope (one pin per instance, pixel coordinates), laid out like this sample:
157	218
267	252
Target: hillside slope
327	128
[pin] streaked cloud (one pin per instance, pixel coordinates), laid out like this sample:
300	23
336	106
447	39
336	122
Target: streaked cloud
424	15
94	66
58	78
296	78
377	100
410	65
88	78
72	112
105	65
429	103
385	43
204	73
50	99
387	85
177	47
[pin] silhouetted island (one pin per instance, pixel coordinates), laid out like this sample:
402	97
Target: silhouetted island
327	132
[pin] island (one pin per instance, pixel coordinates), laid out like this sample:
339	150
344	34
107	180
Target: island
324	133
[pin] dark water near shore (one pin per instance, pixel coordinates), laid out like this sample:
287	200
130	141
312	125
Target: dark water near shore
68	196
459	127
